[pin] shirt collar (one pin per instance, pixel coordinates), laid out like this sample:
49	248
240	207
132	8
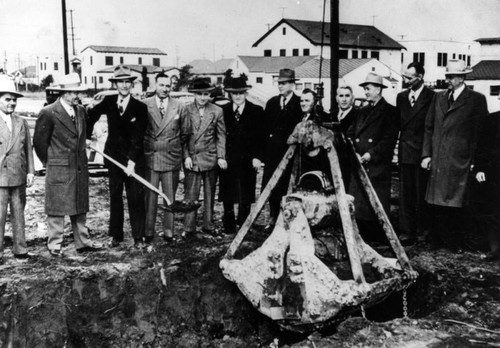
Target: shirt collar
417	92
241	107
158	100
458	91
69	109
343	113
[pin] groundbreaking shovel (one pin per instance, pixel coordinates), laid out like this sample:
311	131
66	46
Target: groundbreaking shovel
175	207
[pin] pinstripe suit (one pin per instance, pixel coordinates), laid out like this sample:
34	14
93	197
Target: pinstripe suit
16	161
165	144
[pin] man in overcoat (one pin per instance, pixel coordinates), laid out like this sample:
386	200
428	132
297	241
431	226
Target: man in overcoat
206	153
60	143
127	119
244	139
165	144
412	104
450	142
374	134
282	113
16	168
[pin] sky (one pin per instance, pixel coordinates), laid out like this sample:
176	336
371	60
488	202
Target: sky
214	29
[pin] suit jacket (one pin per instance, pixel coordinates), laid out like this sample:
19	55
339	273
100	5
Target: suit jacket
60	145
166	139
208	142
125	132
16	153
450	139
412	125
349	119
375	131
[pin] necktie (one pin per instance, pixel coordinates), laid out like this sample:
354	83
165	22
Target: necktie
451	100
72	114
412	100
202	111
162	108
120	107
341	115
237	114
282	103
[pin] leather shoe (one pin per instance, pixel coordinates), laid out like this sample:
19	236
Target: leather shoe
89	249
25	256
56	252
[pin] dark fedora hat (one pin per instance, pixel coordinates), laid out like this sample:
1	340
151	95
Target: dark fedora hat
287	75
121	73
201	85
238	84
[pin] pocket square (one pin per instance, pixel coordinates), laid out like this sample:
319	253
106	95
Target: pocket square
132	120
176	117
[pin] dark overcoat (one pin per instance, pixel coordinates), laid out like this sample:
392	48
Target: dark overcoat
348	119
412	123
450	140
374	131
60	145
244	142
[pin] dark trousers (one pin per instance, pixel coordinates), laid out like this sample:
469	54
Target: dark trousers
192	187
413	210
449	227
135	199
239	189
15	197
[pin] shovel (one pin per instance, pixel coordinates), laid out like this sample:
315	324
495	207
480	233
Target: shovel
176	206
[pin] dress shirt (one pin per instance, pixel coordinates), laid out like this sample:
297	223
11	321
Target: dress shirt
343	113
124	102
239	107
165	103
69	109
285	100
415	93
457	92
7	119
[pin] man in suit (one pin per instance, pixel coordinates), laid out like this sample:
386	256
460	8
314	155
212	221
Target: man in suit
347	112
206	152
60	143
412	105
282	113
165	143
127	119
244	138
450	141
16	168
374	134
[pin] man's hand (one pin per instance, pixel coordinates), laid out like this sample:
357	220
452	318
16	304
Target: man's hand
30	178
188	163
221	162
365	158
130	168
88	142
426	163
480	177
256	164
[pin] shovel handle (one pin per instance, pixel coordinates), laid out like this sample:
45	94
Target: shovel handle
134	175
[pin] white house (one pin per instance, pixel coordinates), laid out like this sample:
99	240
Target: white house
293	37
213	70
489	48
485	78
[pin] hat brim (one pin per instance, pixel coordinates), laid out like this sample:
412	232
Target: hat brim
122	78
18	95
372	83
201	90
70	89
242	89
467	71
285	79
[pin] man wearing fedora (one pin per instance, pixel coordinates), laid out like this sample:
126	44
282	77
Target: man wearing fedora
16	168
60	143
282	113
450	141
374	134
127	120
165	143
244	138
206	152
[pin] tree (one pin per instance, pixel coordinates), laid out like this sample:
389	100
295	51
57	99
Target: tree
184	76
47	81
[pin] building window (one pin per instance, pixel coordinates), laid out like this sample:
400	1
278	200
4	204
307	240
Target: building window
267	53
284	31
419	57
308	85
468	60
364	54
495	90
283	53
375	54
441	84
156	61
56	66
101	80
454	56
41	66
442	59
343	54
108	60
44	66
306	51
121	60
91	60
85	79
219	79
295	52
299	87
354	54
258	80
139	60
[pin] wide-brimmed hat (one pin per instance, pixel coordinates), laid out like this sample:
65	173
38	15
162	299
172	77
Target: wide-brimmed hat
457	67
69	83
238	84
373	79
7	86
121	73
287	75
201	85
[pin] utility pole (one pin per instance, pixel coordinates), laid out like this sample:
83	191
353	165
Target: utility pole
402	36
334	47
65	37
374	20
283	11
72	31
268	26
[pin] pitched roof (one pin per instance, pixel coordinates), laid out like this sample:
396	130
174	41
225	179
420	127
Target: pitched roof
205	66
310	69
488	40
273	64
138	68
485	70
350	35
126	50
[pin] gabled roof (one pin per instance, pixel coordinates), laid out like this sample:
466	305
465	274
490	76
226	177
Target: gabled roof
488	40
151	69
485	70
126	50
310	69
350	35
207	67
273	64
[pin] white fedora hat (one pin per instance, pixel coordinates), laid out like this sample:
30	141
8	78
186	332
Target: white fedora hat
7	86
457	67
373	79
70	83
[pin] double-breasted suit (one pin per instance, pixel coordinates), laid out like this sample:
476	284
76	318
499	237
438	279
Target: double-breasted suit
125	143
375	131
165	144
280	123
206	145
413	211
16	161
60	144
244	142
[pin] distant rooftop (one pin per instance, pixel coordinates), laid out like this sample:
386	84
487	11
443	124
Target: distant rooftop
126	50
350	35
207	67
488	40
485	70
273	64
151	69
